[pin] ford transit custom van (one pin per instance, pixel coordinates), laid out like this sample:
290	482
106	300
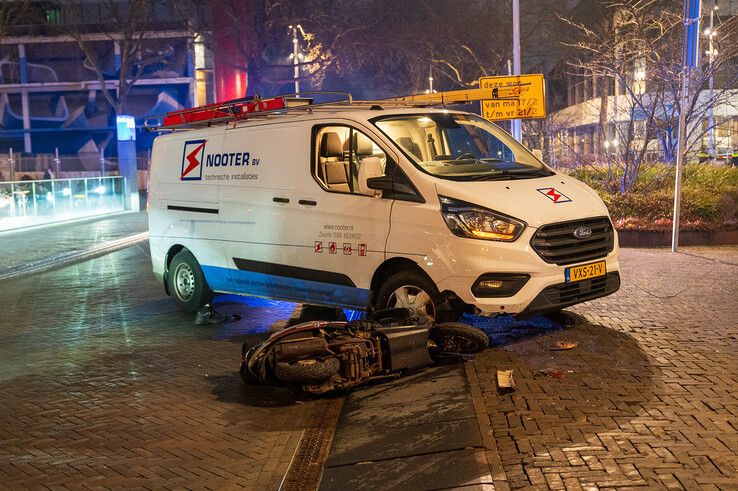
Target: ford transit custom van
373	206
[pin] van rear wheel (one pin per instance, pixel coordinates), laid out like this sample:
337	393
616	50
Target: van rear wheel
413	290
186	282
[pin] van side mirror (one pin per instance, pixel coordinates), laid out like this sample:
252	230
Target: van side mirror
370	168
395	186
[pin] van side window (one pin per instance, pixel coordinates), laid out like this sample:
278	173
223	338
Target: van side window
339	154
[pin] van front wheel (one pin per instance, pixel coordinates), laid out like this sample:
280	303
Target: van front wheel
412	290
186	282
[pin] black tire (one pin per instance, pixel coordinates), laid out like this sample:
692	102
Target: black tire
246	376
454	337
414	281
307	371
186	282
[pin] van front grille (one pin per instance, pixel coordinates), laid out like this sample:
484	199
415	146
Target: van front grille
556	243
569	293
562	295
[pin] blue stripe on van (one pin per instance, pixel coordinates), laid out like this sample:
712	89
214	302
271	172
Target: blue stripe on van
283	288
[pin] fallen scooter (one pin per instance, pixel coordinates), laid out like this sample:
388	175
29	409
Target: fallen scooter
325	356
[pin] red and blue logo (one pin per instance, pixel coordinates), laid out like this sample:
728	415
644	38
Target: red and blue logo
192	159
553	195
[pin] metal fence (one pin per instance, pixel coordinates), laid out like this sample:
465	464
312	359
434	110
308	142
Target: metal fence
35	202
15	166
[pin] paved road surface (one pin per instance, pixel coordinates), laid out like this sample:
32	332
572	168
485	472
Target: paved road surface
27	246
104	383
649	397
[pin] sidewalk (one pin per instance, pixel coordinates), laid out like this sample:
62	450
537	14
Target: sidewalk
648	397
28	246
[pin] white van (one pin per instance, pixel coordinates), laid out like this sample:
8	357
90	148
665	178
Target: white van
365	205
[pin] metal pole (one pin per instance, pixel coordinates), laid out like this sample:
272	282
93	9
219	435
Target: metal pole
711	54
430	80
690	57
57	161
295	60
680	159
11	163
516	128
509	72
33	194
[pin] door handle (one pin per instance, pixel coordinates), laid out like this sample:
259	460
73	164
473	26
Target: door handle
277	199
308	202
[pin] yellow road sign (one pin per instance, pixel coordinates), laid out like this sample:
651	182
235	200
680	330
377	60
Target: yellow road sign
529	103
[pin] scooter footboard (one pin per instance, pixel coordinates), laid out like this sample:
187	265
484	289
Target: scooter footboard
407	348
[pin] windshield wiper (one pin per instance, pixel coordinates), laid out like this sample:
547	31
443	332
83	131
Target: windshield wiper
490	176
500	174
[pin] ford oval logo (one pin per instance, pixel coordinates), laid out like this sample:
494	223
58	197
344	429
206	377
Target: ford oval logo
582	232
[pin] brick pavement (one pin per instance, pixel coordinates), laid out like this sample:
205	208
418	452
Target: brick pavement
104	384
648	398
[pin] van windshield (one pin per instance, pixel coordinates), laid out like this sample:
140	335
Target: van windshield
461	147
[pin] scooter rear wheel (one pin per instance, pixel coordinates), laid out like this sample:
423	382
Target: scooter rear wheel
307	371
246	376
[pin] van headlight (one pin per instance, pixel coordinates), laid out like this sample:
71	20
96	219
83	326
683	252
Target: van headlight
468	220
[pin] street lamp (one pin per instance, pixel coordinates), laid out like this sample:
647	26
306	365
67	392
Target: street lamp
430	89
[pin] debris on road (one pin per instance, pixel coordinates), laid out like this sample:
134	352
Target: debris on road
554	372
566	345
505	380
208	315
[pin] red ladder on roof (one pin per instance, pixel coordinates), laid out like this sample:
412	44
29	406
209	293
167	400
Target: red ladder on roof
235	109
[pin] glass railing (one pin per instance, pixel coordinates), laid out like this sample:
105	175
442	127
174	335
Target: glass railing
28	203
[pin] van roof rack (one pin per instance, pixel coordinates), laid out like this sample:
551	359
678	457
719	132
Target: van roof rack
244	108
237	109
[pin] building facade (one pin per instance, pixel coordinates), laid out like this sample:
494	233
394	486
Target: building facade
52	99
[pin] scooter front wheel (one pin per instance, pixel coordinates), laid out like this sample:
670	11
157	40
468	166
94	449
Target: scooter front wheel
455	338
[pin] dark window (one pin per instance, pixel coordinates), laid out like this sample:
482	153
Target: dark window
53	16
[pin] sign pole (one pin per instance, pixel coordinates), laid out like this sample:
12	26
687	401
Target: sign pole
509	72
690	55
517	130
295	59
680	160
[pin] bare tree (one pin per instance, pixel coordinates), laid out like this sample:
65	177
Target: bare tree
636	53
379	47
132	25
12	14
